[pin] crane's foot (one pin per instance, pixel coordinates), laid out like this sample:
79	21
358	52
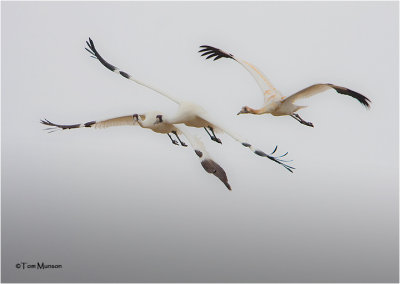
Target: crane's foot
307	123
179	139
213	137
302	121
172	140
216	139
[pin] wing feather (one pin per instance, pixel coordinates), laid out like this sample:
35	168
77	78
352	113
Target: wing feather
319	88
92	50
246	144
117	121
262	81
208	164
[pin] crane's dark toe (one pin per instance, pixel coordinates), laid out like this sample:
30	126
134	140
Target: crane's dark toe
216	139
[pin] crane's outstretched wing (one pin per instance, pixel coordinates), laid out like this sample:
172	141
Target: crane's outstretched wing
262	81
209	165
117	121
276	159
318	88
95	54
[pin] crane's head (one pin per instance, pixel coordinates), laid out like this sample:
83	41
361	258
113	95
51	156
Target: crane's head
135	117
159	119
244	109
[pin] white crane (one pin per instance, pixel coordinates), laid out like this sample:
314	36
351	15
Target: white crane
274	102
189	113
148	120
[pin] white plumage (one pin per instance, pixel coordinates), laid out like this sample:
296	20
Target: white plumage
148	120
189	113
274	102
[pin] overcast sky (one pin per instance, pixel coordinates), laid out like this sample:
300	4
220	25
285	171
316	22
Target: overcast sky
125	205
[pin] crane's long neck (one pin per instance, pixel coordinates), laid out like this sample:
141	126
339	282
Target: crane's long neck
247	109
257	111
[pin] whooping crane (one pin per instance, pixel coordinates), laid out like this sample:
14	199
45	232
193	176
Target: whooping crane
274	102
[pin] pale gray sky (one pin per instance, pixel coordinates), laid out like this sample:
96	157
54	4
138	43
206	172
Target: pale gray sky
125	205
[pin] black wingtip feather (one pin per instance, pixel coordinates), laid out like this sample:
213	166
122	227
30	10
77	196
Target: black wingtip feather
91	52
60	126
202	50
211	55
206	49
91	42
276	159
206	53
94	52
345	91
362	99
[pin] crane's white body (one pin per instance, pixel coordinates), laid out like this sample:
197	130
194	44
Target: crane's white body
192	115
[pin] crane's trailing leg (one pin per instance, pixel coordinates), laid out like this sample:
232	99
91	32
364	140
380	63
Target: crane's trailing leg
180	141
302	121
173	141
213	137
